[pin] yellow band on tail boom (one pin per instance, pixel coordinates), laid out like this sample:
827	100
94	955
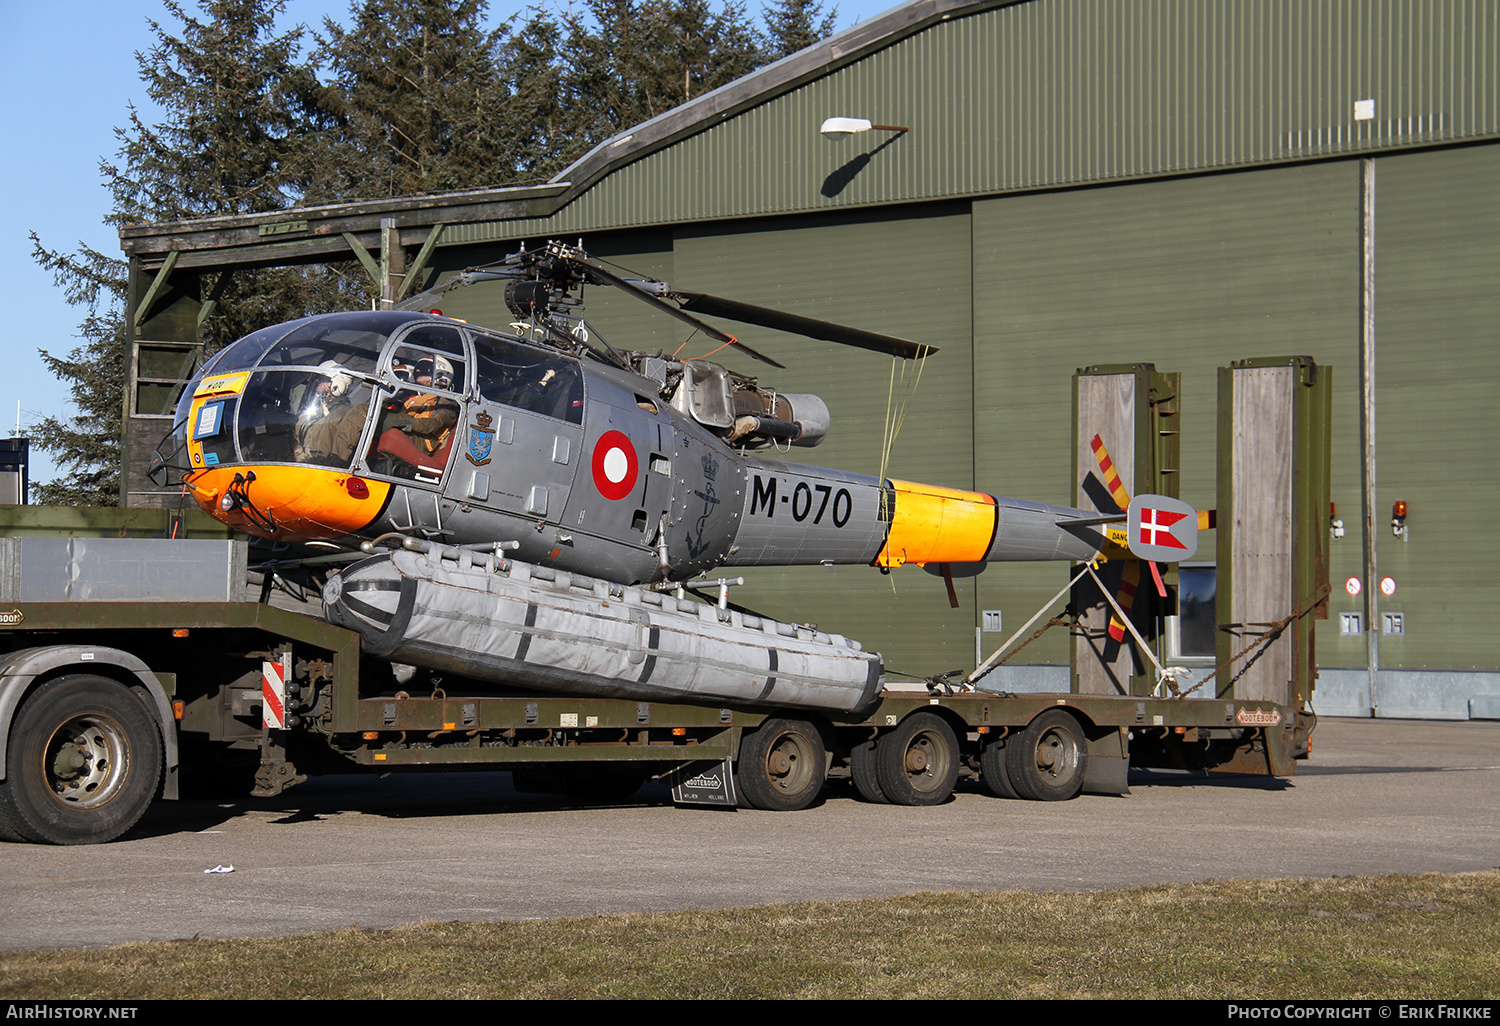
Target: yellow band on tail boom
938	525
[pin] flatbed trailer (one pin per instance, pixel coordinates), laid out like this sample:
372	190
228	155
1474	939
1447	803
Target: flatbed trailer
110	699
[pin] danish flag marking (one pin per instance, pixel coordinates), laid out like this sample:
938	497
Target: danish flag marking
1160	528
1156	527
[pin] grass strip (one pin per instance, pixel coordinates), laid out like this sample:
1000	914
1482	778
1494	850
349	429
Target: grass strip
1392	937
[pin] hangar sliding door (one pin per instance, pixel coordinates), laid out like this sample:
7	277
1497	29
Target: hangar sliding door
1437	241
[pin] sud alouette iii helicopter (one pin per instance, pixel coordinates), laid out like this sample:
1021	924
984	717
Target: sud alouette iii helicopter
628	467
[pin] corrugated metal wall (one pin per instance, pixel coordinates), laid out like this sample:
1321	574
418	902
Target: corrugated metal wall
1050	93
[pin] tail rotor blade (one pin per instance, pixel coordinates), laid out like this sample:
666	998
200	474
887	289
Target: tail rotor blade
1130	581
1111	475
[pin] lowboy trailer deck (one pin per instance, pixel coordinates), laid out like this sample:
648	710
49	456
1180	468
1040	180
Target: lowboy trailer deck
111	697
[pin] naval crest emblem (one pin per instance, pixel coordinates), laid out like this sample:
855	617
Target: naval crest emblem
481	439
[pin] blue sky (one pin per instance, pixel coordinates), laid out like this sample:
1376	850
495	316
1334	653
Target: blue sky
69	74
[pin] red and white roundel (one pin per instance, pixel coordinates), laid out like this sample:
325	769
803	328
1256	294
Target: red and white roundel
615	465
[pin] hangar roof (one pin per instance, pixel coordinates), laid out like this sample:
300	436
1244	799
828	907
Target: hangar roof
1000	96
310	233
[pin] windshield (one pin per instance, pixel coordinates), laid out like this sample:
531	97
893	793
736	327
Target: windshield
308	392
305	398
302	416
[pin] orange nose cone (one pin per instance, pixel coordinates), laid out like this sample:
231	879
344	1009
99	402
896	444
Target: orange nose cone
303	503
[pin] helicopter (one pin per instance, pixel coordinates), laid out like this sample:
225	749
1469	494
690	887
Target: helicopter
628	466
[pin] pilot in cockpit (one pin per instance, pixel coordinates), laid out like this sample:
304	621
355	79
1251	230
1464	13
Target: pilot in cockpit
419	427
329	425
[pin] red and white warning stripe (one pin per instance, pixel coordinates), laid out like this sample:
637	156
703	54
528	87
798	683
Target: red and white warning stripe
273	694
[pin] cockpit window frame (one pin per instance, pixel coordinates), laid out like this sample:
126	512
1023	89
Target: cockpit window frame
389	386
486	341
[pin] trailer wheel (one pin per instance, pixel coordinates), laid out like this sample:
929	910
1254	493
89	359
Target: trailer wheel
917	763
84	762
862	771
1047	761
781	766
993	770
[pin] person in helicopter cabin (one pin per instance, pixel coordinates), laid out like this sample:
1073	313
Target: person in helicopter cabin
329	425
421	431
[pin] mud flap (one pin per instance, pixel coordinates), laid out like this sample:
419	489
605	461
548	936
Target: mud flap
1109	765
704	783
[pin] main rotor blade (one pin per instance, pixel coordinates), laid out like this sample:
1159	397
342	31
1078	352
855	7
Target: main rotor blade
469	276
714	306
603	277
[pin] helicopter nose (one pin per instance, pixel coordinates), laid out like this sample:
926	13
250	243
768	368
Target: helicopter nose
312	503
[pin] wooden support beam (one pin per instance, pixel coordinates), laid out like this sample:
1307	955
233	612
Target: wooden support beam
414	272
371	267
213	298
157	284
392	263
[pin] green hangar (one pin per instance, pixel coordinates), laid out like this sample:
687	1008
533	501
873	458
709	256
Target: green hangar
1183	183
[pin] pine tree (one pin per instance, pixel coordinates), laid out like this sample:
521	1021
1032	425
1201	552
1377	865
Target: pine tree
245	122
87	445
418	100
536	135
240	115
793	25
631	61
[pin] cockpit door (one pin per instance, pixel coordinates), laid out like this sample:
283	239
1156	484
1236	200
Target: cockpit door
519	445
515	461
417	413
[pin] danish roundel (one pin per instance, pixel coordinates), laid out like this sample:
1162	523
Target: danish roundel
615	465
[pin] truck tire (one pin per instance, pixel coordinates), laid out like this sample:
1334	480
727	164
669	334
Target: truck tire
862	772
84	762
781	766
1046	762
917	763
993	771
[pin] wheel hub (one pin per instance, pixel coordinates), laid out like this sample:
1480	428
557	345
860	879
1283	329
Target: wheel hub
1051	756
87	764
916	760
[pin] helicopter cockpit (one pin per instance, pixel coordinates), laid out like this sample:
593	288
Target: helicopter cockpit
378	395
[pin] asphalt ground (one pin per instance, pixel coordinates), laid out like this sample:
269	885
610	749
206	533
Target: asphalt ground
1377	797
